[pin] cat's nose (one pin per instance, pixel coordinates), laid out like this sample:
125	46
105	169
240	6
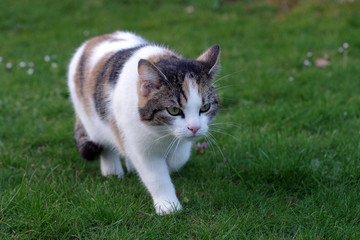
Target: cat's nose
194	129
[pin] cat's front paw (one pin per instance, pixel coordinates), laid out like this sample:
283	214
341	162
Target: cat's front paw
165	207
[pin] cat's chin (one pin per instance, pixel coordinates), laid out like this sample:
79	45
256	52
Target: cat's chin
189	139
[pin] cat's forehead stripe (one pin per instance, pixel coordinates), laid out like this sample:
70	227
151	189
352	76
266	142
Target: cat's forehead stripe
194	97
176	68
185	88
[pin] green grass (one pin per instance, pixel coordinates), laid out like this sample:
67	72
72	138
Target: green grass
291	172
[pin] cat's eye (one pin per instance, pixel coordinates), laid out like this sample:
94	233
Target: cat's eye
205	108
174	111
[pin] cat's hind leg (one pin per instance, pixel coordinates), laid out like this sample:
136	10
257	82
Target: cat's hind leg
110	163
129	166
87	148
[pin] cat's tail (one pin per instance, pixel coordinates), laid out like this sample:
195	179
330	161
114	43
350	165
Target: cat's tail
88	149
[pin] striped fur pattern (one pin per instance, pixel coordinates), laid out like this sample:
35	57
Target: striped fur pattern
144	103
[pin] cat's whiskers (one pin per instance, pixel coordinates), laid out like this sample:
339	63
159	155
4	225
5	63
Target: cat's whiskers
161	137
177	144
154	142
217	130
210	143
226	76
212	139
226	86
169	147
225	123
213	127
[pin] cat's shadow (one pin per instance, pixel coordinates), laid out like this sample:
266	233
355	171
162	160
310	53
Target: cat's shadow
229	186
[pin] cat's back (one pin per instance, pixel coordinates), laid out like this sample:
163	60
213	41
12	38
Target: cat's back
93	70
91	56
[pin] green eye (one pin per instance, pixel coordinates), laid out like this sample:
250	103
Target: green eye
174	111
205	108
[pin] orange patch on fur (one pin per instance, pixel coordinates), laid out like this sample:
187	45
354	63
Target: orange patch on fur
87	88
95	41
186	86
77	77
142	99
186	90
157	58
91	84
118	134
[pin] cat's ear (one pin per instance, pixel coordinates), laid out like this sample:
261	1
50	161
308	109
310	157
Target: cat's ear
150	77
211	58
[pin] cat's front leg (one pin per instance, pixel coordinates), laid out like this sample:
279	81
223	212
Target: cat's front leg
154	173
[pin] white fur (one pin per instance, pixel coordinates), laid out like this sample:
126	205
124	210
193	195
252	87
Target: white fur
126	40
146	149
182	128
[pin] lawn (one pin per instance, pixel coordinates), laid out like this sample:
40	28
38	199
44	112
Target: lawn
287	160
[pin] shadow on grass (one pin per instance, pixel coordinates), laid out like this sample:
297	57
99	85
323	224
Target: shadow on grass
292	181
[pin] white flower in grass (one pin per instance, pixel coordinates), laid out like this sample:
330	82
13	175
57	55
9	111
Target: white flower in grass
47	58
344	53
291	78
31	64
30	71
307	63
54	65
9	65
22	64
189	9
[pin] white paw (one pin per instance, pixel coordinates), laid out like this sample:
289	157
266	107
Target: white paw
165	207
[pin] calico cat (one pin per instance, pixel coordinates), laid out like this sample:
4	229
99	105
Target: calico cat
142	102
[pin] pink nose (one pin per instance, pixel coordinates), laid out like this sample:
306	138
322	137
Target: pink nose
194	129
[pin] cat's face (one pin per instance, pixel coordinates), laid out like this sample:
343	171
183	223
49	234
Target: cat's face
178	94
198	106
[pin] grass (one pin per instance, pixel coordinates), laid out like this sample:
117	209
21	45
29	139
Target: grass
291	172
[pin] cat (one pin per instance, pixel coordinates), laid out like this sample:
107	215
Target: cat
142	102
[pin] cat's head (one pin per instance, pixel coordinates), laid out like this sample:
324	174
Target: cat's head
178	93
